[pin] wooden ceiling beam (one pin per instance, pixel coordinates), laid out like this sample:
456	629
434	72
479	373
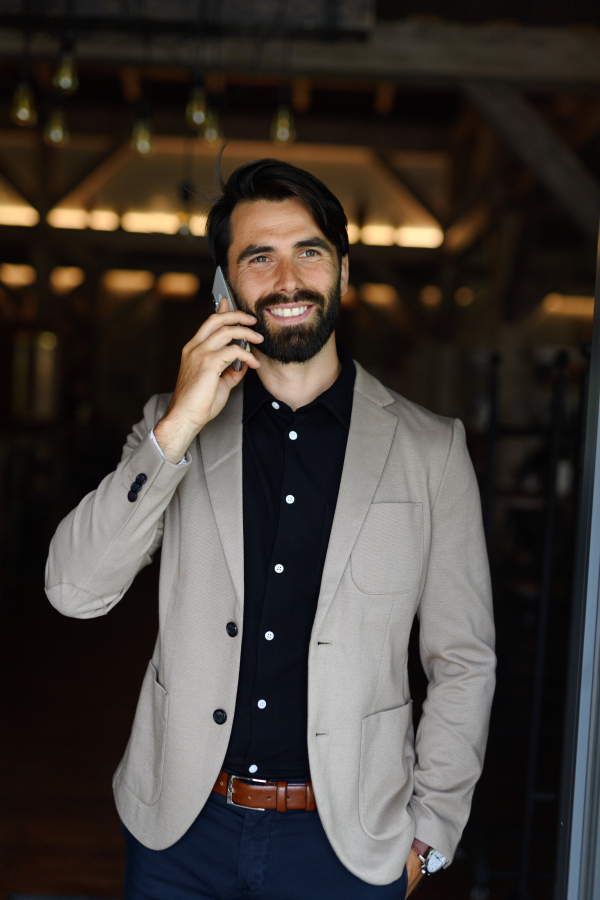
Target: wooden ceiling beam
15	183
161	252
77	194
96	126
409	50
541	149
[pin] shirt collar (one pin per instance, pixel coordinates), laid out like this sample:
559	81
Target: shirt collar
337	399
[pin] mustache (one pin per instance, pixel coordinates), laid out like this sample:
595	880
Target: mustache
298	297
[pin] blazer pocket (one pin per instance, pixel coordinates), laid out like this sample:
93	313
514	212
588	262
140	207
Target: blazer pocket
143	767
386	778
388	555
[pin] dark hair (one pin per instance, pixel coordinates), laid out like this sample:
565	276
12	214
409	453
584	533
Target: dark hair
272	179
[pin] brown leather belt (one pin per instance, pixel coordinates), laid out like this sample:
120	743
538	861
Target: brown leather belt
256	794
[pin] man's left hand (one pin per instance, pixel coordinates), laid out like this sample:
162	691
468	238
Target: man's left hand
413	867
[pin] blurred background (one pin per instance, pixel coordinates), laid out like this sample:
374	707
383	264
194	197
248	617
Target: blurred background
463	140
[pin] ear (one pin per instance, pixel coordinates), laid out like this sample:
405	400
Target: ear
344	275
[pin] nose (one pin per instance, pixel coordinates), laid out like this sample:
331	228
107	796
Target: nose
287	278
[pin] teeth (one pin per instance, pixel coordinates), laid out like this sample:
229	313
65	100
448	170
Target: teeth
289	312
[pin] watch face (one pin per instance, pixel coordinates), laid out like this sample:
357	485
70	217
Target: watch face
435	861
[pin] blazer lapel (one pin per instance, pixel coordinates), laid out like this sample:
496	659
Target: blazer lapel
369	441
221	446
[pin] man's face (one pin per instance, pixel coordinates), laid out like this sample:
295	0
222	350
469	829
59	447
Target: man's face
283	270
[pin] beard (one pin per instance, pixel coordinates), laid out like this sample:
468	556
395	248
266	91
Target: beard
295	343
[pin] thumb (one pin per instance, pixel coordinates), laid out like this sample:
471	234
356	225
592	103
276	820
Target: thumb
230	377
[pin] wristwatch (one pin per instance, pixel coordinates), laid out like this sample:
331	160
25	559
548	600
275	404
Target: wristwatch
431	860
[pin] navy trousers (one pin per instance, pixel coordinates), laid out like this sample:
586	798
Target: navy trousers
230	853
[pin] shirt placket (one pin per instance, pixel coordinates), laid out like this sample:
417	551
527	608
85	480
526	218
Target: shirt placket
280	564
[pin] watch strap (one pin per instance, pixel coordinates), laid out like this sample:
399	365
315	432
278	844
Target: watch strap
419	847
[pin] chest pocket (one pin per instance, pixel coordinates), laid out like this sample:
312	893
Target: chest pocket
388	555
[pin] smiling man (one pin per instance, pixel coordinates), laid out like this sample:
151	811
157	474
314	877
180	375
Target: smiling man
306	514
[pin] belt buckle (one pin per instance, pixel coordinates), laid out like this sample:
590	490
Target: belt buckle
230	799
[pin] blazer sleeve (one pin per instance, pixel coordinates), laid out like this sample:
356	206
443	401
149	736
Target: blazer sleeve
99	548
457	652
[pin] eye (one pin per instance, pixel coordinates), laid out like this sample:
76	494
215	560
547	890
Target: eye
260	259
310	252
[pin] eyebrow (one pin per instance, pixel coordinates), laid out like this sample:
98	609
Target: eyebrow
256	249
313	242
253	250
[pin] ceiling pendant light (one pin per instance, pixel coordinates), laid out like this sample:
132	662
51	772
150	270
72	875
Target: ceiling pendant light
142	136
195	111
23	111
212	126
65	78
56	132
283	130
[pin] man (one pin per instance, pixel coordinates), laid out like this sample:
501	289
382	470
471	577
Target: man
306	514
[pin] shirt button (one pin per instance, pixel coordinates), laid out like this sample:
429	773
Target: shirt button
279	568
293	435
253	769
262	704
269	635
290	498
275	404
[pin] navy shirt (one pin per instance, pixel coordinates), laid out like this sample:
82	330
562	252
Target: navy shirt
292	468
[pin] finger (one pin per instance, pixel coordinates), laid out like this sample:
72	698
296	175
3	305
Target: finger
228	333
225	356
231	377
218	320
223	307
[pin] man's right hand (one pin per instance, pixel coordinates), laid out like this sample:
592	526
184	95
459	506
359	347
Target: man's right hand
206	378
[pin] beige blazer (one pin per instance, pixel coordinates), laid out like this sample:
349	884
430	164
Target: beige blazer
406	539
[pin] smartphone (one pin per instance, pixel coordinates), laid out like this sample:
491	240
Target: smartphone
220	289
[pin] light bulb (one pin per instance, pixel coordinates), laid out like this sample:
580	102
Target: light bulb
195	110
141	137
212	132
56	133
282	130
23	110
184	229
65	78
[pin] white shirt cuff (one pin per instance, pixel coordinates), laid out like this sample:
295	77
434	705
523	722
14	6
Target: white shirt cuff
157	445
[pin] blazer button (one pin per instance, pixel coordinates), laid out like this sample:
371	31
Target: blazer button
231	629
141	479
220	716
135	487
132	496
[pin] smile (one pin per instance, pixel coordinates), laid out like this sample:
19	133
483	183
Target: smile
293	313
289	312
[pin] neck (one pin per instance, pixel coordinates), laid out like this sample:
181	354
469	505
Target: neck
298	384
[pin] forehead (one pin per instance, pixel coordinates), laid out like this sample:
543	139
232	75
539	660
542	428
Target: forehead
277	221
